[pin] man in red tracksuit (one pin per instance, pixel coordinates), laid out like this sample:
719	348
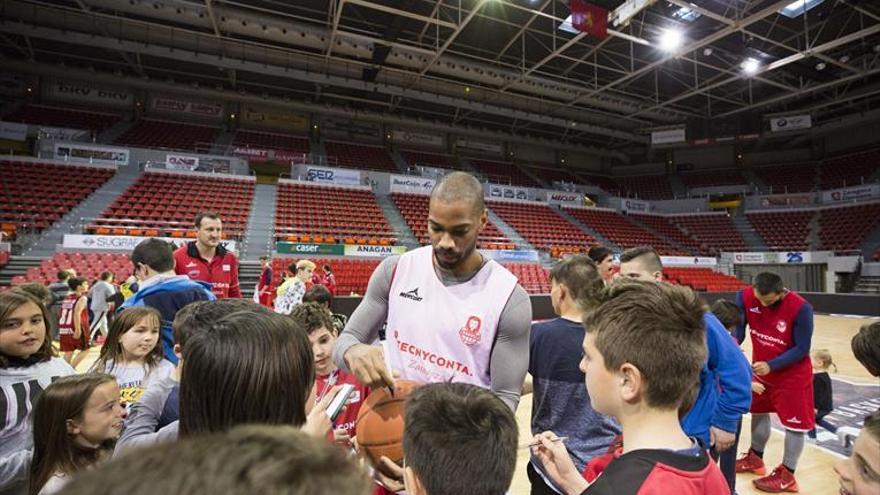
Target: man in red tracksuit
207	260
781	325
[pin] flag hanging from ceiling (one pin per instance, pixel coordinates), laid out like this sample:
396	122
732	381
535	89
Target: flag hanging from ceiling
588	18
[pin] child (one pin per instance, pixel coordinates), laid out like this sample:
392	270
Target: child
73	324
643	351
315	319
458	438
28	364
291	292
823	398
132	354
860	473
76	423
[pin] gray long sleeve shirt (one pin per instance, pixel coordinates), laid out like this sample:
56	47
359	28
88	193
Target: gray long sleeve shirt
509	359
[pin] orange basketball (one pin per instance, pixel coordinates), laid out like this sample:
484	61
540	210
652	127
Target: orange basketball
380	423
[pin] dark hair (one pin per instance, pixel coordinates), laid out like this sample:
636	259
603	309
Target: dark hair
112	351
76	282
866	348
10	301
728	313
318	293
63	275
659	329
54	449
201	216
199	315
768	283
105	276
292	267
872	424
327	268
37	290
154	253
648	254
581	277
247	459
599	253
264	258
459	186
248	367
311	316
460	438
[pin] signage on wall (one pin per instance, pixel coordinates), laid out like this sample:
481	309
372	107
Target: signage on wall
417	138
635	206
122	242
869	191
91	154
410	184
76	91
342	176
668	136
174	105
181	162
790	123
508	192
776	258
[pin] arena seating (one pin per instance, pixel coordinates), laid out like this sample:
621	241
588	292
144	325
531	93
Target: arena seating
551	175
844	228
166	204
422	159
360	157
533	277
783	230
712	178
663	226
621	231
646	186
503	173
319	214
542	227
703	279
272	140
67	117
850	169
35	195
414	208
798	177
606	183
352	275
88	265
149	133
4	258
714	232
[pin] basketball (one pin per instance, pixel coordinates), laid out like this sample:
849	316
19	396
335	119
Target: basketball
380	423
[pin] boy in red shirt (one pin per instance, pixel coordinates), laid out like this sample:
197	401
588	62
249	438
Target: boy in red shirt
316	320
643	351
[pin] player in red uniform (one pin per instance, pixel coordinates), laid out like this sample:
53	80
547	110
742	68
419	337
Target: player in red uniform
206	259
73	323
781	324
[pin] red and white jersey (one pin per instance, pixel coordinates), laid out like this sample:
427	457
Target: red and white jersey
771	330
347	418
65	320
437	333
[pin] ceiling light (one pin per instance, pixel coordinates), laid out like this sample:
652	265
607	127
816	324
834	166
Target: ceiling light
799	7
750	65
670	40
844	59
707	52
820	66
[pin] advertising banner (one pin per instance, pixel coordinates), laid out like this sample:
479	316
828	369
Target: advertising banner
373	251
502	255
688	261
793	257
790	123
668	136
253	154
178	106
82	92
84	153
417	138
351	130
847	194
289	156
411	184
275	118
565	198
181	162
13	131
333	175
120	242
309	249
478	145
635	206
216	165
787	200
508	192
62	134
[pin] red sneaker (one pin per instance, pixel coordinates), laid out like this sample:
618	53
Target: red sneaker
751	463
780	480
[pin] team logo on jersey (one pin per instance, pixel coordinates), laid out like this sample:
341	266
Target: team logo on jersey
794	420
191	264
412	294
781	326
756	310
470	332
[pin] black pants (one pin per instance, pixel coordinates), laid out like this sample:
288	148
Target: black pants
539	486
727	459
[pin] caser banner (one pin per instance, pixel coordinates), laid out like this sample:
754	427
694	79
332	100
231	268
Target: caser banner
120	242
82	92
790	123
333	175
411	184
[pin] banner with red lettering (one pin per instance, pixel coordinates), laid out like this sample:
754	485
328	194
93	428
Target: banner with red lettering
589	18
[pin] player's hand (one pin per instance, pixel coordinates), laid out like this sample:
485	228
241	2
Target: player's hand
342	437
318	424
758	388
720	439
393	482
761	368
367	362
557	463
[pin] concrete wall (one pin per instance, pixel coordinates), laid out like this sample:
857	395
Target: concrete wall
708	157
774	157
640	169
852	137
526	153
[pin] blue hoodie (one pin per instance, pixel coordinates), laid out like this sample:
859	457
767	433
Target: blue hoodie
167	297
725	385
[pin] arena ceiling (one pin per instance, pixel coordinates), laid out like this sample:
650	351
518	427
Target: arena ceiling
503	65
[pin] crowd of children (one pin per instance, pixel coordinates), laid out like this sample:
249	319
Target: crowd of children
235	400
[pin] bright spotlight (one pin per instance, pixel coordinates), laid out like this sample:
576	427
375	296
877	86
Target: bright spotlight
670	40
750	65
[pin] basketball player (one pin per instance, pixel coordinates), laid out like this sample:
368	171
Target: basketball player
781	324
452	314
73	324
207	260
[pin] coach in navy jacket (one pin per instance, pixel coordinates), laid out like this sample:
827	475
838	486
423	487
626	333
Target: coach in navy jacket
160	288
